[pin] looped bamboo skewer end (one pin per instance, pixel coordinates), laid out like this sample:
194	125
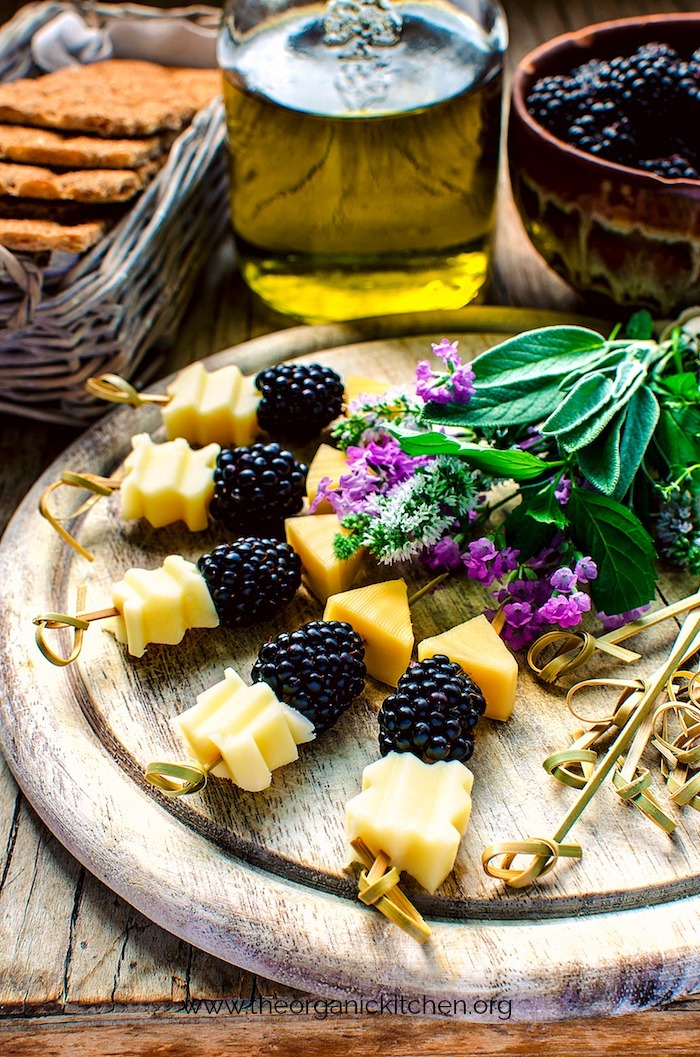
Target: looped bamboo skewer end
378	887
79	621
178	779
91	482
117	390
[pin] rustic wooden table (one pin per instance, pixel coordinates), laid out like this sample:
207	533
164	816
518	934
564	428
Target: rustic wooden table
80	970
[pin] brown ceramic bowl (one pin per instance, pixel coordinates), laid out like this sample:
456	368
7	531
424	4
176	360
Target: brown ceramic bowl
607	229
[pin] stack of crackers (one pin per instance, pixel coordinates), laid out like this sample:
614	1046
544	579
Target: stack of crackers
78	145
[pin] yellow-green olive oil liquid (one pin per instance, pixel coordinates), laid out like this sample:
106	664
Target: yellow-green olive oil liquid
363	178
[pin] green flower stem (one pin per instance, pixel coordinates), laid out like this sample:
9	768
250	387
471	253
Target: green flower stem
668	489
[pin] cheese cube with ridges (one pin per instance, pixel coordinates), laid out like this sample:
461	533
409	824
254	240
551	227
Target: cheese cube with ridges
246	725
168	482
327	462
244	417
483	655
416	812
244	761
218	406
381	617
209	713
312	539
356	386
160	605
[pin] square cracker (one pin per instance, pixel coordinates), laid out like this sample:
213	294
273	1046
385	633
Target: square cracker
117	97
84	185
35	236
36	146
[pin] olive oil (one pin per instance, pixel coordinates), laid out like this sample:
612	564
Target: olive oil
363	173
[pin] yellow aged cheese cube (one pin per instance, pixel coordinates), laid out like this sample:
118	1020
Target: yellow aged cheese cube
160	605
380	615
247	727
218	406
356	386
327	462
312	539
483	655
416	812
168	482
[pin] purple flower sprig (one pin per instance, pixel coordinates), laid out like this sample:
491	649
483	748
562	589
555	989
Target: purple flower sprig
454	384
534	596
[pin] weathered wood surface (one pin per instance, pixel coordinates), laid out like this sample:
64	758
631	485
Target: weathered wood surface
69	945
674	1034
258	879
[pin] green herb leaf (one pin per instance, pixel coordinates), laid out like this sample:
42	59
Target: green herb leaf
513	463
548	352
526	533
599	461
683	386
677	436
640	325
544	507
620	546
425	443
590	394
629	376
495	405
637	431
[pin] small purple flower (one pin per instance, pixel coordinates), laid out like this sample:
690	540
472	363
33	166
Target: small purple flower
518	614
616	620
563	580
483	549
444	555
453	384
429	386
585	570
563	491
560	609
581	600
446	350
463	383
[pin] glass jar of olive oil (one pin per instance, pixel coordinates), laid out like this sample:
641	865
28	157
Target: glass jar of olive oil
363	138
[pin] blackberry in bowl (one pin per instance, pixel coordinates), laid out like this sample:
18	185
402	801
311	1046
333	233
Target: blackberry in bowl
604	164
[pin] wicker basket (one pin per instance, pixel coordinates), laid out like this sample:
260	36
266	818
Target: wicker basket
130	291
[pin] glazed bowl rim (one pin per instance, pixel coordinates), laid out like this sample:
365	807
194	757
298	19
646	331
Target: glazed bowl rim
528	67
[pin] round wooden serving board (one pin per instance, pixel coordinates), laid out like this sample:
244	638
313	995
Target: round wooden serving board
258	879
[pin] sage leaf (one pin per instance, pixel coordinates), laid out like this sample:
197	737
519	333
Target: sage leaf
620	546
495	405
599	462
640	423
590	394
546	352
629	376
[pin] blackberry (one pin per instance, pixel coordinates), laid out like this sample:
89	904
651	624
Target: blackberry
689	84
319	670
614	141
260	484
251	579
675	167
558	101
298	400
433	712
